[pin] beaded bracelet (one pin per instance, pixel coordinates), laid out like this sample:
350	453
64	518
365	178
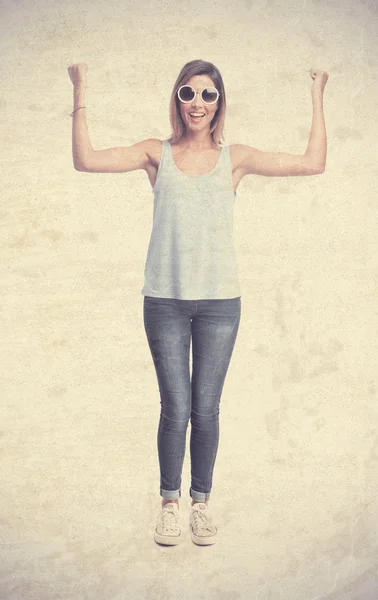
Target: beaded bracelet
72	114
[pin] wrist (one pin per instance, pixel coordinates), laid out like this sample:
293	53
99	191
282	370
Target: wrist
317	92
79	96
317	97
77	109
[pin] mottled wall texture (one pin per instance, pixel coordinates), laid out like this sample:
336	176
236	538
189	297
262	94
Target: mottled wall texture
295	492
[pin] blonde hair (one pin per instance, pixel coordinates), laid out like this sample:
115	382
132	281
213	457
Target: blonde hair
198	67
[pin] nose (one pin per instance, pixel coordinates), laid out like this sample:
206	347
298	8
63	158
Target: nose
197	100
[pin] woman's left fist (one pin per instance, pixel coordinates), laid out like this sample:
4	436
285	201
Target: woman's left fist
320	79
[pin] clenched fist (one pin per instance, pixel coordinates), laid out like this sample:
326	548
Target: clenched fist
77	73
320	79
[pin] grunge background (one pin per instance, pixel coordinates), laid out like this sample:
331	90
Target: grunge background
295	492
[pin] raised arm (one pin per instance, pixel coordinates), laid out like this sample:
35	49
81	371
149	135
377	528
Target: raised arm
276	164
112	160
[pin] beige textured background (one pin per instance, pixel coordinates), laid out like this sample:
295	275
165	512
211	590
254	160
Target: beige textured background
295	490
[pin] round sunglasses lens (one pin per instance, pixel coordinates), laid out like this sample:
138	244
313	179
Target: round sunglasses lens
210	95
186	93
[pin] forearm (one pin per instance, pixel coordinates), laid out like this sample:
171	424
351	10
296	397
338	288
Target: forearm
317	143
81	143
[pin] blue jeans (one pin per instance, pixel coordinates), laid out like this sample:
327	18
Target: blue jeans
170	323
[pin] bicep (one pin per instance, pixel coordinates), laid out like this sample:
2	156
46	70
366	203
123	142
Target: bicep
274	164
118	159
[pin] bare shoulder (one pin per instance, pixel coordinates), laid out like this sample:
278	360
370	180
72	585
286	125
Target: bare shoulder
238	153
153	148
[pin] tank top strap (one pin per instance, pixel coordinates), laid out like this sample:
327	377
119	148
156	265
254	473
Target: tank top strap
166	155
164	151
227	164
226	155
164	164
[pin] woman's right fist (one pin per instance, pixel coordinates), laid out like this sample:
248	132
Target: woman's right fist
77	73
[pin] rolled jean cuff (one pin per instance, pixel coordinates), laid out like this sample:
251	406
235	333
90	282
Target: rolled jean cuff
199	496
170	494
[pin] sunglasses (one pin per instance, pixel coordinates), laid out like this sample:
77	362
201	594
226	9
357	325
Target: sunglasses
209	95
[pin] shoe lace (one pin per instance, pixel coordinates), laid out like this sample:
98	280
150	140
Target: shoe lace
201	520
168	518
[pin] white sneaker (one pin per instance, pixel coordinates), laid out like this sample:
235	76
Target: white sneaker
202	530
168	530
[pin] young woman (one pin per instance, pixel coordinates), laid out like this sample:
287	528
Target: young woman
191	289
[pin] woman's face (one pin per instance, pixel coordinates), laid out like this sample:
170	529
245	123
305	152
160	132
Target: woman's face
190	109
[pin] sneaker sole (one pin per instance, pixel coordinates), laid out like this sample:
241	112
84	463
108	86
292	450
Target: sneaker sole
202	541
167	540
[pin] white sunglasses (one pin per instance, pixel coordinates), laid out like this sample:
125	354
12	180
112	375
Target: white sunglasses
209	95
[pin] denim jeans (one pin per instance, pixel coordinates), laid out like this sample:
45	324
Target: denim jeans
170	325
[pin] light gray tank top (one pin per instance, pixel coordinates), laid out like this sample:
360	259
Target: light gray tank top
191	254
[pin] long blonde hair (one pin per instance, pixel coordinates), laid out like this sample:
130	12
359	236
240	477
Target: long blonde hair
198	67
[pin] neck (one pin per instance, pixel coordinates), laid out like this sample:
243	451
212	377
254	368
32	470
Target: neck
198	140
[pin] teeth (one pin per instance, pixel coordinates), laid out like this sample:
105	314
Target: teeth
197	114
